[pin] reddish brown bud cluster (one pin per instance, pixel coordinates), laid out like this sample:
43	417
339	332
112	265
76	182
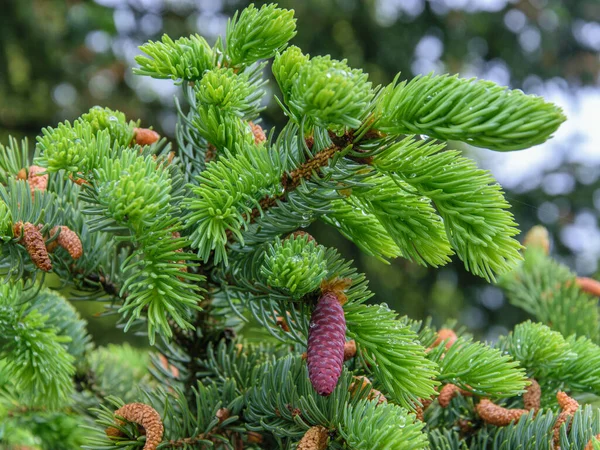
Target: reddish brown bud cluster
68	240
257	131
326	339
145	416
314	439
31	237
448	392
145	136
568	406
532	396
498	415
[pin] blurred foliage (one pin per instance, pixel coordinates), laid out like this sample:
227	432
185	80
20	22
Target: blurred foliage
58	58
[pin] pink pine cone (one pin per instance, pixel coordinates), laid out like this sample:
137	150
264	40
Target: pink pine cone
326	338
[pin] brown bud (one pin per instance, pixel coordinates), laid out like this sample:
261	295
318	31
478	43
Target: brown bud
497	415
145	416
281	323
532	396
445	334
223	414
257	131
78	180
337	286
254	437
314	439
145	136
165	363
22	174
589	285
538	237
68	240
349	350
34	243
37	181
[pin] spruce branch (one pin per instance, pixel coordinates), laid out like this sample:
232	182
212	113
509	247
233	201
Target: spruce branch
494	375
392	352
256	34
548	291
187	58
478	112
478	225
37	362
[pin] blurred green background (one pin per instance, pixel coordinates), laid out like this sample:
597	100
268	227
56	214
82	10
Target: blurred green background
60	57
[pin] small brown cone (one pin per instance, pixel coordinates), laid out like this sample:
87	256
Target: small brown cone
257	131
145	416
34	244
532	396
568	406
314	439
497	415
68	240
37	181
145	136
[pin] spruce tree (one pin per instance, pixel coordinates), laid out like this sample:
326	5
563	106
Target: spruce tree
263	338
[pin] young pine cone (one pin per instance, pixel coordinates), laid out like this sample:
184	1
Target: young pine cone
34	244
143	415
68	240
326	339
314	439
